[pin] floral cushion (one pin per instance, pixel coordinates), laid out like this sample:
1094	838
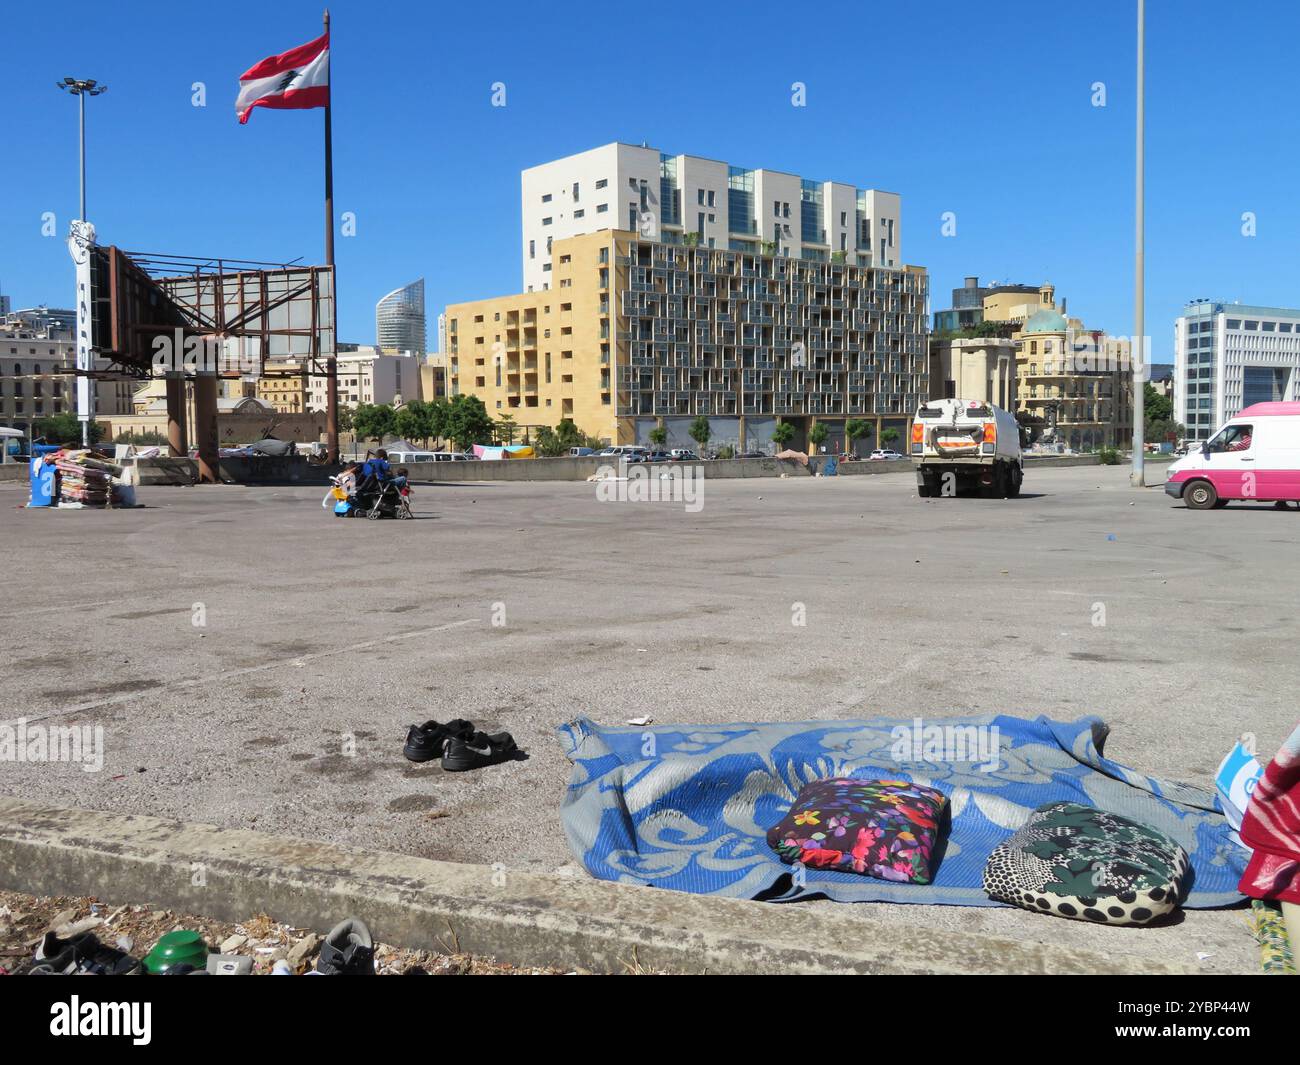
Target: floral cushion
880	828
1080	862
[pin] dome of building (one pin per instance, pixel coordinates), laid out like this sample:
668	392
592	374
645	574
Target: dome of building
1045	321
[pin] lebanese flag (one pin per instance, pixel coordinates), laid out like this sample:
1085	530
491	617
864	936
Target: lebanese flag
297	78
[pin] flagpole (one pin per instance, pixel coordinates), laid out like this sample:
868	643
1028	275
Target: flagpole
331	364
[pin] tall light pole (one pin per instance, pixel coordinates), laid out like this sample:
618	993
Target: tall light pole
81	88
1138	475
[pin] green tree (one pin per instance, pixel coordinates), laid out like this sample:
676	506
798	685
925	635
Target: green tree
547	442
856	429
700	431
467	422
569	435
506	428
65	429
1157	408
412	422
888	437
817	435
345	419
659	436
373	421
782	434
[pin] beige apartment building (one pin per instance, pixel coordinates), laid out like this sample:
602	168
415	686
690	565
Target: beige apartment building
635	333
1075	384
35	382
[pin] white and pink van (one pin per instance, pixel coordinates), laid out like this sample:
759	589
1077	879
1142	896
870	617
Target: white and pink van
1255	457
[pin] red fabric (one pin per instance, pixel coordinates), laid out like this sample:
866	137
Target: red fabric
1271	828
290	60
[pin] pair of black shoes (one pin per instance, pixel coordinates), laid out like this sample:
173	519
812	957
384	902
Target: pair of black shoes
458	744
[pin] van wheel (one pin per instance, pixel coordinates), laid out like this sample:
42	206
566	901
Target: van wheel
1219	504
1200	495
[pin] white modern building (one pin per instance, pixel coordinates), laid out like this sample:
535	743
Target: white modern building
369	375
679	199
1230	355
399	319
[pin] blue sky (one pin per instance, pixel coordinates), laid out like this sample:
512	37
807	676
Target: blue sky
982	110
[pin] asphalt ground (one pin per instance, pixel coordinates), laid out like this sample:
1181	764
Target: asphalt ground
524	605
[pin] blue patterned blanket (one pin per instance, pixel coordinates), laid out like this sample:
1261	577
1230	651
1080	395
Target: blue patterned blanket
688	807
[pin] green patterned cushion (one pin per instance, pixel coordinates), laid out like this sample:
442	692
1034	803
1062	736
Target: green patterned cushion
1080	862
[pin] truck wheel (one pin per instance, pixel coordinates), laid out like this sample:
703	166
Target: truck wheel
1200	495
1014	479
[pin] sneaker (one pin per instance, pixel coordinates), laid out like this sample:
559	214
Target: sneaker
82	955
478	750
347	951
426	742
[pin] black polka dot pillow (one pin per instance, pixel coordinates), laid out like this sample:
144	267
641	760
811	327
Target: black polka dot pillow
1080	862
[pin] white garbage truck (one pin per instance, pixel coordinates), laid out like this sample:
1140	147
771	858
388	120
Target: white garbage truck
966	445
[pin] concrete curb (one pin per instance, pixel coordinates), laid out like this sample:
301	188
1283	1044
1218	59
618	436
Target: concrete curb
520	918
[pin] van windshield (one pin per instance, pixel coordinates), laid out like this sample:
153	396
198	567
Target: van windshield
1232	438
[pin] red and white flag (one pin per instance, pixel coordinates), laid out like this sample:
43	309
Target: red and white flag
297	78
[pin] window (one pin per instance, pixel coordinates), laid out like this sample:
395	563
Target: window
699	197
575	192
546	221
546	198
601	208
601	183
532	249
579	213
1232	438
712	201
604	256
1234	323
1251	324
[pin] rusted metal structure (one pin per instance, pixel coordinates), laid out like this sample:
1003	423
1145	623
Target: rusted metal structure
201	319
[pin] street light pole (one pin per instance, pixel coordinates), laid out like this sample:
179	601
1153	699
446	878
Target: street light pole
81	88
1137	478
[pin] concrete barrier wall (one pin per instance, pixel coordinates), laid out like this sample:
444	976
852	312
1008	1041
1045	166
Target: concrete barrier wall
579	469
13	471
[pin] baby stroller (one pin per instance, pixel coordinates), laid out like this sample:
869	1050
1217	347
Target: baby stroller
387	498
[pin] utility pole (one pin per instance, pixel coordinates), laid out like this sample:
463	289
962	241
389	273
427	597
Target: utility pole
81	88
1137	478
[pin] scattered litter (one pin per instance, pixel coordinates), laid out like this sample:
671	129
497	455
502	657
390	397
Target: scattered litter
643	720
1111	536
1201	955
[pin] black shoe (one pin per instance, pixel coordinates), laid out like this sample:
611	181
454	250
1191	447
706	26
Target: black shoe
348	950
478	750
428	741
82	954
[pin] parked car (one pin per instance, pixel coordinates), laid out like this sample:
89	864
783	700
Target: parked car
658	456
630	452
684	454
884	455
751	455
581	452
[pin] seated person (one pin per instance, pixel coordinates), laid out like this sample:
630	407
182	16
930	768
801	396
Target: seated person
400	477
373	472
